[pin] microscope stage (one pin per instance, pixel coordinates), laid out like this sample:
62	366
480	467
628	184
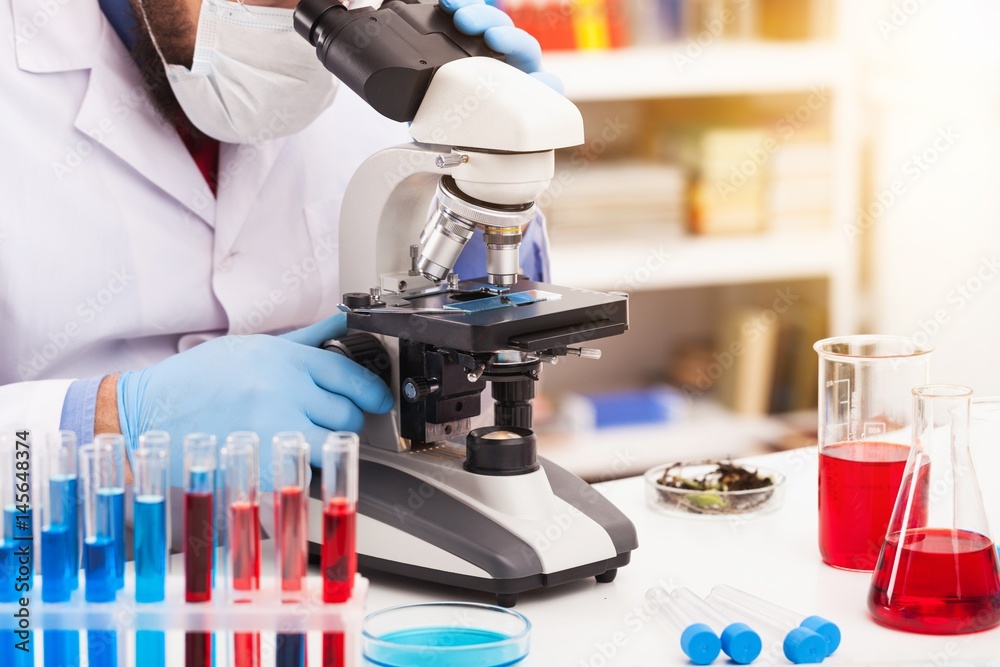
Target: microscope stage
530	317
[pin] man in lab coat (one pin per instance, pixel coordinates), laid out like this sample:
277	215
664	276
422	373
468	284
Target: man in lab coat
161	204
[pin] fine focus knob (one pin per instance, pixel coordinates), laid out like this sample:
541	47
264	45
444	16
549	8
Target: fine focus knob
366	350
418	389
501	450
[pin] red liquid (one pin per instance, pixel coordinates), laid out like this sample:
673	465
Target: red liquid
198	649
339	562
946	582
858	484
339	559
244	535
198	547
290	518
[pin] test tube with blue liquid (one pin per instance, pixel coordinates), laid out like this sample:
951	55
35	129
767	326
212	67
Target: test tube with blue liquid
97	468
798	644
739	641
697	640
116	497
15	548
56	499
151	469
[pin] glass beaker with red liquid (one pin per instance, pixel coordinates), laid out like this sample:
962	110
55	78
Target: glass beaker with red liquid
938	571
864	431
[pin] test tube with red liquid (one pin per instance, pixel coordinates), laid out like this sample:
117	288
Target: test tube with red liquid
242	481
339	559
291	525
199	482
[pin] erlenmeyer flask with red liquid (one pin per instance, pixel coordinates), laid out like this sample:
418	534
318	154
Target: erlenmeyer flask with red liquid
938	571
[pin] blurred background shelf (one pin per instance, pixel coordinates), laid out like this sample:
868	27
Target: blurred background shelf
640	262
742	68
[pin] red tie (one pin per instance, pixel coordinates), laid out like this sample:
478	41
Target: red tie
203	149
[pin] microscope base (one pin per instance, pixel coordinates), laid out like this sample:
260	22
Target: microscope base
421	515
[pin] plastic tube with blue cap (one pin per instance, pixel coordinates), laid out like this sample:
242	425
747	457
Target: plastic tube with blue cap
799	645
697	640
741	643
824	627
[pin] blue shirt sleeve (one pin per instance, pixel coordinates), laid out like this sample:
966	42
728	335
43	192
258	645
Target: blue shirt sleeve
534	254
78	408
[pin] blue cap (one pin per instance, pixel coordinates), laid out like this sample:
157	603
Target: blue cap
700	644
828	630
804	646
741	643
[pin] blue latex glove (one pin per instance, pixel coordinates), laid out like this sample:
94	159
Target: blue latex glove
474	17
259	383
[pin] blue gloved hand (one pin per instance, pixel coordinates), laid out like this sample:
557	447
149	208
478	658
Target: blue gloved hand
474	17
259	383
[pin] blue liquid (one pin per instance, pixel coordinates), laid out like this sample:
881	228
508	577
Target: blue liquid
57	568
62	648
111	504
17	533
62	495
8	572
150	532
413	648
14	657
151	648
291	650
101	579
102	648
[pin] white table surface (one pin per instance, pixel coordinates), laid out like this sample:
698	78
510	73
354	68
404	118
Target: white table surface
585	624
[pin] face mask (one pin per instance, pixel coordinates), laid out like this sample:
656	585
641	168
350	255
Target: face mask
253	78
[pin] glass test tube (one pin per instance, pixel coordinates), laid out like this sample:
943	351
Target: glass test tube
697	639
199	486
8	560
100	526
291	525
799	645
339	558
738	640
161	440
151	468
239	462
55	496
116	493
825	628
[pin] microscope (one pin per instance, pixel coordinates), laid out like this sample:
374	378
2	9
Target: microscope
441	500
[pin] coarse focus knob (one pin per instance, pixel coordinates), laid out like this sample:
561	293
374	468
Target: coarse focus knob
366	350
418	389
357	300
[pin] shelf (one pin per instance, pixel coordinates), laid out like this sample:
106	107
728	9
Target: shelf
709	431
642	262
721	69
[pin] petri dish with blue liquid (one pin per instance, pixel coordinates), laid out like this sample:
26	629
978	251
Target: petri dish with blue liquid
445	634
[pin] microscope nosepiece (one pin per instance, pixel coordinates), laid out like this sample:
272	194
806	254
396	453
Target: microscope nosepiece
452	224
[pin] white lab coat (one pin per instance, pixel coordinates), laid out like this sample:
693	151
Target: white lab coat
113	252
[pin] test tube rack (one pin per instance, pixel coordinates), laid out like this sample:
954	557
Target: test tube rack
265	611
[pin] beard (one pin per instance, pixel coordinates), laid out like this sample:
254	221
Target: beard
175	34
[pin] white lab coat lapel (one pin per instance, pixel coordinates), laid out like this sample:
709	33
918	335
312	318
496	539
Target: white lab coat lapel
115	111
247	165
